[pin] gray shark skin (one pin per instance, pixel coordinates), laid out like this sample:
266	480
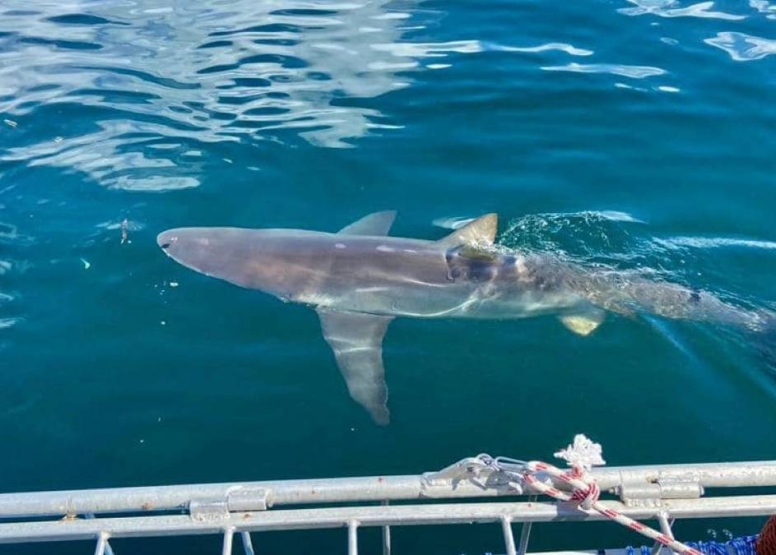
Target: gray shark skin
359	279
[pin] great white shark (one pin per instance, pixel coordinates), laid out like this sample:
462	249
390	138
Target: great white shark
359	279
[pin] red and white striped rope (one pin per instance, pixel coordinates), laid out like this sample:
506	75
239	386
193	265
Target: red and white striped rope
585	492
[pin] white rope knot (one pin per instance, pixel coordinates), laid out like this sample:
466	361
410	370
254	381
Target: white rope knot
586	497
583	454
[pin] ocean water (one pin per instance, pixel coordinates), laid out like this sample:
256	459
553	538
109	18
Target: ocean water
634	133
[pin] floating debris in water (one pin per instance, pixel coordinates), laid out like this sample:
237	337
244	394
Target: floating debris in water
124	231
86	264
11	123
173	284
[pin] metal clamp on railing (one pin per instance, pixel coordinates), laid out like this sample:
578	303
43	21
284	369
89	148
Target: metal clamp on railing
650	494
479	472
208	510
241	499
249	499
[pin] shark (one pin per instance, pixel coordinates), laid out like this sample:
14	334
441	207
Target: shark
359	279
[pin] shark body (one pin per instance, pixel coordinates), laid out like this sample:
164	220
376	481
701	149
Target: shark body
359	280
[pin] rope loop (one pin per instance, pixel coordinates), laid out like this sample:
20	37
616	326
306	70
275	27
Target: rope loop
585	493
586	497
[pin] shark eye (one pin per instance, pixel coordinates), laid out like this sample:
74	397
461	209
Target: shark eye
165	246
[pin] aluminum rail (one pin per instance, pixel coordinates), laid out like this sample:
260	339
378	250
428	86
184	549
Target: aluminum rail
445	484
357	517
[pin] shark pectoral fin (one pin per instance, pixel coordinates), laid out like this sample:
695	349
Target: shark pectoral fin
481	231
357	342
585	323
374	225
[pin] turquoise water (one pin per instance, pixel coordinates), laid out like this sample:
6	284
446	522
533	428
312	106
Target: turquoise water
635	133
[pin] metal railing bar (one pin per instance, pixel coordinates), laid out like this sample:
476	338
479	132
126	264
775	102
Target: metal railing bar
102	543
386	535
665	524
353	537
171	498
374	488
509	538
247	543
665	527
228	538
525	531
108	550
295	519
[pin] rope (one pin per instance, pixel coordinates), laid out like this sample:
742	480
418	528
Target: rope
744	545
584	493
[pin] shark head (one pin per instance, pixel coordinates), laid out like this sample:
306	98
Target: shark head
205	250
264	259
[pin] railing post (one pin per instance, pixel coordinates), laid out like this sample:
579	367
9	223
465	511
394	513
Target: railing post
107	549
102	543
665	527
525	531
247	543
352	537
386	535
509	538
228	536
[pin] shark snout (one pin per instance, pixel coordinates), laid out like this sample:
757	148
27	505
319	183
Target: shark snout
196	248
166	239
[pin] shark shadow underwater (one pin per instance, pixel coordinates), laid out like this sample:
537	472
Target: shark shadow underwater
359	279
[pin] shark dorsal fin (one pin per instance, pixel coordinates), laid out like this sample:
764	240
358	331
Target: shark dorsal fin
375	224
481	231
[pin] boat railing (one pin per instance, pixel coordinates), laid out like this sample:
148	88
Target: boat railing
462	493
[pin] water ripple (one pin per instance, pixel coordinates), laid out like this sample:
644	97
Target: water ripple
667	8
714	242
635	72
743	47
9	237
559	46
198	75
764	7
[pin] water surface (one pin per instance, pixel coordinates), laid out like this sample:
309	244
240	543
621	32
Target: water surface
636	133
